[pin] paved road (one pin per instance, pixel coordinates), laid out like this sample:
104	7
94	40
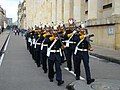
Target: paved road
19	72
102	69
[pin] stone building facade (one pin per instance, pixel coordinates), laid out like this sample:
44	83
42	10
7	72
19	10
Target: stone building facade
22	15
2	17
102	17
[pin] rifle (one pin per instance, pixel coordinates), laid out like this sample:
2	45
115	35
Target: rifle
88	37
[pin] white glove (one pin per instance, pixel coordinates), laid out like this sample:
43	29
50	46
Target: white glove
56	38
86	35
74	32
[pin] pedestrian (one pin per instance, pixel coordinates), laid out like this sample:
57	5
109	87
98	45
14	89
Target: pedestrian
15	31
18	31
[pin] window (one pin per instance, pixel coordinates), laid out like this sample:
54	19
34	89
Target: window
107	6
86	12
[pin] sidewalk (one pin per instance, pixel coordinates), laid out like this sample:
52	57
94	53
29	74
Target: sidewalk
3	37
99	84
106	53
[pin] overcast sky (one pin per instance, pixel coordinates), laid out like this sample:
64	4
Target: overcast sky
11	7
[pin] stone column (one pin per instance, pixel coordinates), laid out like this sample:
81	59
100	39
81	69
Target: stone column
77	10
92	9
62	10
71	8
59	11
29	13
116	9
66	10
54	11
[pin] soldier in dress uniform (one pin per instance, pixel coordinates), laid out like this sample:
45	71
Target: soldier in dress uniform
69	43
34	37
37	46
44	46
61	32
27	38
31	42
81	53
54	57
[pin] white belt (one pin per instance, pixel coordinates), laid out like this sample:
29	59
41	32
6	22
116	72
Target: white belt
54	51
38	43
45	44
68	41
72	42
82	49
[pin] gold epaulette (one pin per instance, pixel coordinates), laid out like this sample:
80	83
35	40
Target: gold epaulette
81	37
44	35
69	35
39	35
52	38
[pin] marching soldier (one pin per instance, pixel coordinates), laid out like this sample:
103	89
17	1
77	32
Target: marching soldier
34	36
27	38
37	48
44	46
69	43
61	32
31	42
81	53
54	57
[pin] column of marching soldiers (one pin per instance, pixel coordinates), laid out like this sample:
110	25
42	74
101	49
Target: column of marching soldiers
50	46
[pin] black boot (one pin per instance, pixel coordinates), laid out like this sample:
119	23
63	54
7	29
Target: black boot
45	71
60	83
51	80
77	78
90	81
70	69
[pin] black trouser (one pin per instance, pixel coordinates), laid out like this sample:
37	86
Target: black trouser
33	52
44	59
68	54
27	44
37	57
82	55
54	58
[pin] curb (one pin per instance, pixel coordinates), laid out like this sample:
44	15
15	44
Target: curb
111	59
